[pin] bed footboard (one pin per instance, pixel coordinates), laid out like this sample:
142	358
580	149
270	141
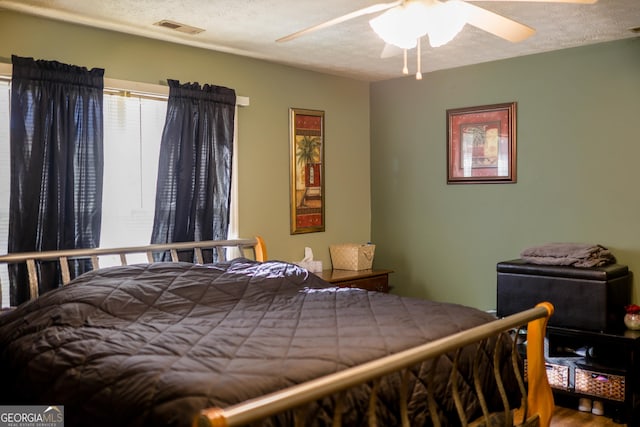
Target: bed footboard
255	246
536	406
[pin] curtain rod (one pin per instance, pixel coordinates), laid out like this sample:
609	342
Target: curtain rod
139	88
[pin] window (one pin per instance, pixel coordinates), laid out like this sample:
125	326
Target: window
132	133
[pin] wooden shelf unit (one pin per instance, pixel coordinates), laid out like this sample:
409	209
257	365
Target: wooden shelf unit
613	360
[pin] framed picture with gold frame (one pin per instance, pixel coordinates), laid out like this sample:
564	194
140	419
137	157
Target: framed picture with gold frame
306	148
481	144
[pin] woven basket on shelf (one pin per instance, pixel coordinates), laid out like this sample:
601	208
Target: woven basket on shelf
558	375
600	384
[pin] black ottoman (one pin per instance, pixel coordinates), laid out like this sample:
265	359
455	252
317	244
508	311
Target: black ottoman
584	298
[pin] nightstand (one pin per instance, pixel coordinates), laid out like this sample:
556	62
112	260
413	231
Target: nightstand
371	280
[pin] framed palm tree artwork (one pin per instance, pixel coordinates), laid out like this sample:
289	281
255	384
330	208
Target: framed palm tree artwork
307	170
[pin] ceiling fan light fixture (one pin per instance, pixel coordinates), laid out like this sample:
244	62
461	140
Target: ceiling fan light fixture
445	21
403	25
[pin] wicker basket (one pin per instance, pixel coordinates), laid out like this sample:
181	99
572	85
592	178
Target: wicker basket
600	384
352	256
558	375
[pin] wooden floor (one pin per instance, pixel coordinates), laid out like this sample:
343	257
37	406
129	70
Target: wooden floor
563	417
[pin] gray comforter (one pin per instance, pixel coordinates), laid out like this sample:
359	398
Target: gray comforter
153	344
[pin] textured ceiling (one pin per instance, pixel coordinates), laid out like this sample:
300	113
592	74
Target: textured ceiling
250	28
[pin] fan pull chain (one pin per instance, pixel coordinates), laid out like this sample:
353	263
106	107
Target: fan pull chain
405	69
419	72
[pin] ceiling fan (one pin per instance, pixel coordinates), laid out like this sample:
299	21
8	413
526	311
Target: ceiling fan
404	22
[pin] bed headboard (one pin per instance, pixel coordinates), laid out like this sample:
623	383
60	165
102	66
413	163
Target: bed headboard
251	248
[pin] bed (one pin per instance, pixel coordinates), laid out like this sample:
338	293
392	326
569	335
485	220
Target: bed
248	341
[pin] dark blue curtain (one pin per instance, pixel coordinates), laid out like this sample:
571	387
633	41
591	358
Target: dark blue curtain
56	163
194	172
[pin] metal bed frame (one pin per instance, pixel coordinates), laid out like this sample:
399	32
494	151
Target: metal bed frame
536	406
256	246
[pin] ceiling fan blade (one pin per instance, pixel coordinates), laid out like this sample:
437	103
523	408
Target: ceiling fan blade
498	25
360	12
544	1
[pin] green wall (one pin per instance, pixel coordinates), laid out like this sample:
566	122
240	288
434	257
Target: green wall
263	126
578	151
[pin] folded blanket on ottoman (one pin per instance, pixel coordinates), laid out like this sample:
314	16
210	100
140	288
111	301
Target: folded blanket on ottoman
574	254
